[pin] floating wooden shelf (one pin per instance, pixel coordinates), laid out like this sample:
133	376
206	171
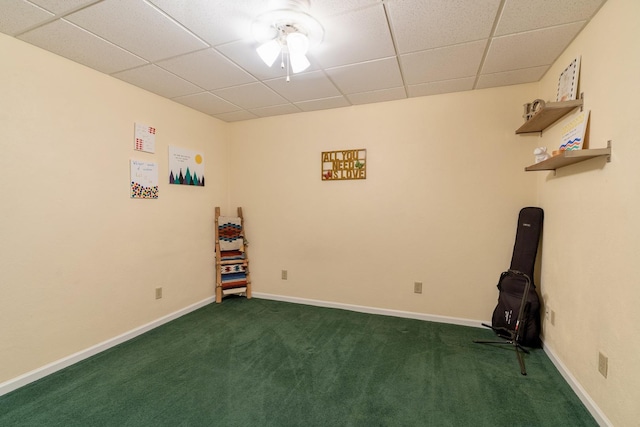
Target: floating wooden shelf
567	158
551	113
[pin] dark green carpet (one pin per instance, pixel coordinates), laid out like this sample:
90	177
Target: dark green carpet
266	363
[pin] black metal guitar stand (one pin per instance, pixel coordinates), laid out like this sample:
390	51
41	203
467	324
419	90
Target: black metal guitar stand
512	337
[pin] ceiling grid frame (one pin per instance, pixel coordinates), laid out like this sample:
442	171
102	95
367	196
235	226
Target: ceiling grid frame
346	69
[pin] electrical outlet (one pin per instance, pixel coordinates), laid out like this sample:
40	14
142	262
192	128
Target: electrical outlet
553	318
284	274
603	364
417	287
158	293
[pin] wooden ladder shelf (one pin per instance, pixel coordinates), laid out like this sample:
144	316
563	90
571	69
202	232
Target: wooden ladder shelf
232	259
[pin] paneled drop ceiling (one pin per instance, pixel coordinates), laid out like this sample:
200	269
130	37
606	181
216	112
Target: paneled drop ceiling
200	53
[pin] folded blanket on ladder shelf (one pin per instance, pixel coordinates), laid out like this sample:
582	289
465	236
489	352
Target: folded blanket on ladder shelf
232	275
231	255
233	268
230	233
234	280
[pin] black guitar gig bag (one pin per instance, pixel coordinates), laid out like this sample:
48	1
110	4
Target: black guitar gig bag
512	283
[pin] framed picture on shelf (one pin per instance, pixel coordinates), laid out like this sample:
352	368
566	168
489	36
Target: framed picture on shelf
568	82
575	135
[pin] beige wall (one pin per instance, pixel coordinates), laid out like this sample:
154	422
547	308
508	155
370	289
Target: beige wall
79	259
445	182
440	203
592	236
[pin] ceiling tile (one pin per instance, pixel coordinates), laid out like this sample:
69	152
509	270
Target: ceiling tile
19	15
137	27
235	116
358	36
276	110
66	39
524	15
215	21
304	87
323	104
366	76
427	24
526	75
207	102
442	64
254	95
326	8
456	85
207	69
530	49
60	7
156	80
377	96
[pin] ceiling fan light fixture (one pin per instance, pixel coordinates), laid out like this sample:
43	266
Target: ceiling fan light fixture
269	51
297	43
299	63
288	31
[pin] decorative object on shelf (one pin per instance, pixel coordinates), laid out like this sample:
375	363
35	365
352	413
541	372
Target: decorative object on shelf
533	108
574	133
288	31
541	154
568	82
344	164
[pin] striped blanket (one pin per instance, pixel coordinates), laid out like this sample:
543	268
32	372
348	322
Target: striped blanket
231	255
234	280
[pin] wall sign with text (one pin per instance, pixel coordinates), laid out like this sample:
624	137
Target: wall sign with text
344	164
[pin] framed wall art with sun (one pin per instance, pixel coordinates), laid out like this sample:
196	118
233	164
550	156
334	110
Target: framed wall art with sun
186	167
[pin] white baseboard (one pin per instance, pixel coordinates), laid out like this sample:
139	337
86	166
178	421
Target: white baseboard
591	406
36	374
374	310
